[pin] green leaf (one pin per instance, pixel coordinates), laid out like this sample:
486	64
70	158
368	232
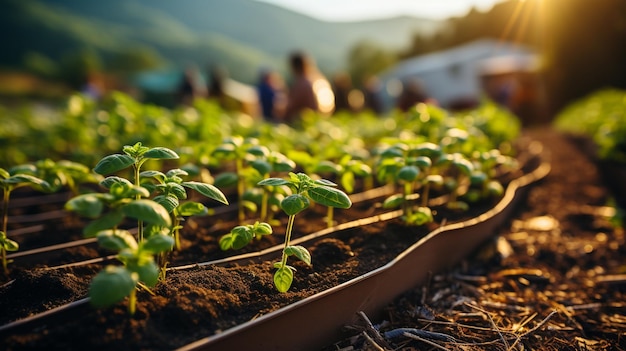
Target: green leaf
421	216
464	165
226	179
225	151
274	182
191	208
262	228
408	173
430	150
169	202
295	203
109	181
325	167
27	179
495	188
148	211
177	172
393	201
152	174
238	237
283	279
87	205
325	182
478	178
108	221
113	163
261	166
285	165
435	179
422	162
329	197
176	190
300	252
24	169
160	153
148	272
207	190
347	181
117	240
9	244
157	243
258	150
110	286
392	152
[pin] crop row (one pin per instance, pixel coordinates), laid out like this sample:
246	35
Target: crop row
273	168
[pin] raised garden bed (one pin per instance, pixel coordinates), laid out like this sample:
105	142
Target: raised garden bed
196	301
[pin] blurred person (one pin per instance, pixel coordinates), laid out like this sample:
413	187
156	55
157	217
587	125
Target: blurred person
372	95
309	89
270	91
342	86
191	86
412	93
217	78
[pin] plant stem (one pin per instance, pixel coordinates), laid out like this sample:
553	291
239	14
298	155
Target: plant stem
330	216
408	189
136	167
132	302
5	209
5	216
425	194
240	190
290	222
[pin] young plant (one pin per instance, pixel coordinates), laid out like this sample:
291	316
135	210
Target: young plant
266	163
483	180
115	283
458	179
304	189
242	235
347	170
11	180
400	165
134	156
236	149
124	200
139	269
60	174
171	189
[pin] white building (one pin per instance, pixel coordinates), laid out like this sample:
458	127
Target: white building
455	76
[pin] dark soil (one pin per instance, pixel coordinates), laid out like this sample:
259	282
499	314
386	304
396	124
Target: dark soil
554	279
497	300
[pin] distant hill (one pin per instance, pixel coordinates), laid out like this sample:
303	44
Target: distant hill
241	35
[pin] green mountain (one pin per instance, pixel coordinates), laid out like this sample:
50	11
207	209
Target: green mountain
240	35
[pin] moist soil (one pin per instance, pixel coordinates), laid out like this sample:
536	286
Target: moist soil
551	281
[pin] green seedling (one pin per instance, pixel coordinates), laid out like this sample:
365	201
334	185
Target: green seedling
304	189
134	156
171	189
61	174
460	170
483	183
406	166
139	269
242	235
237	149
266	163
347	170
11	180
124	200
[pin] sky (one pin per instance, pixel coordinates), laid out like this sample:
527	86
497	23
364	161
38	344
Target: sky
352	10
